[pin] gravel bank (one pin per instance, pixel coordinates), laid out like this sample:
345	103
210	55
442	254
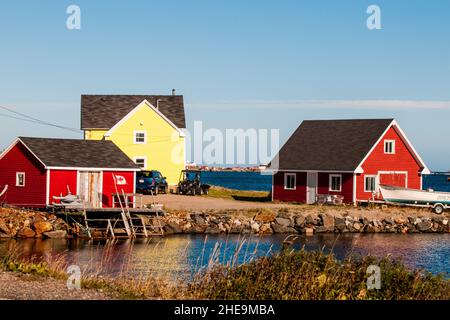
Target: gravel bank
16	286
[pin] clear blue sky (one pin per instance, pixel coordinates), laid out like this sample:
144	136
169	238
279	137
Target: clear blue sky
239	64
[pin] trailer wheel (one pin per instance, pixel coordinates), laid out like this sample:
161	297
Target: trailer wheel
438	209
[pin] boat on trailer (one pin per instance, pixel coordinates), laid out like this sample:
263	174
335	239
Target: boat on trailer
437	200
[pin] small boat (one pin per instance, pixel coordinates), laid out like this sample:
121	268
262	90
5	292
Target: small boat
434	199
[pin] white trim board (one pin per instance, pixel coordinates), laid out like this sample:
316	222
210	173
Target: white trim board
136	109
318	171
92	169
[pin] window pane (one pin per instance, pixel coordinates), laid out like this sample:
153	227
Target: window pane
140	162
335	183
140	137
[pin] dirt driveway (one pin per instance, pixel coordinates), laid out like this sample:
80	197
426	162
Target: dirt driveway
173	201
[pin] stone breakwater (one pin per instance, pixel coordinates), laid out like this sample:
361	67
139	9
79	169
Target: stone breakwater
266	223
18	223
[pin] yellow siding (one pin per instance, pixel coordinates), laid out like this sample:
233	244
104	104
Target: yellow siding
164	149
94	134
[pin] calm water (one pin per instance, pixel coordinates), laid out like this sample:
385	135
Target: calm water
437	182
238	180
186	253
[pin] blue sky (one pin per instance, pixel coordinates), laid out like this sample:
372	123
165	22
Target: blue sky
239	64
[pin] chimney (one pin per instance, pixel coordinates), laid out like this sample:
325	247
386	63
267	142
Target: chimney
173	92
157	103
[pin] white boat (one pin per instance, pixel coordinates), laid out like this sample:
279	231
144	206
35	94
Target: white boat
434	199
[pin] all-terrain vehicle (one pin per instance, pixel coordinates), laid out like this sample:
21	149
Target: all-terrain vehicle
190	183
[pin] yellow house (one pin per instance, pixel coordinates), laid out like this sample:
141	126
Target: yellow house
146	128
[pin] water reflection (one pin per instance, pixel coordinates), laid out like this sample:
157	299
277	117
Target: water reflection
186	253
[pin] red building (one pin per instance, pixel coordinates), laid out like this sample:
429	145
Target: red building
349	158
36	169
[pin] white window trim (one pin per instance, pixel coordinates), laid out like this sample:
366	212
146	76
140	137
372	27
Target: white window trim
393	146
137	132
365	182
286	175
17	179
143	158
331	179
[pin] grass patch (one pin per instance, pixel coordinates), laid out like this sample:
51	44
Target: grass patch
243	195
315	275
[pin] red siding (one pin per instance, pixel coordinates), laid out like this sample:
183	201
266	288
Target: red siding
109	188
377	161
297	195
346	189
60	180
33	194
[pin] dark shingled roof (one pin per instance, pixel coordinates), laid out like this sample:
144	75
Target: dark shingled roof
104	111
338	145
78	153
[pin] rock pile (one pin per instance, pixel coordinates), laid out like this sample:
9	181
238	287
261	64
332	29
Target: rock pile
31	224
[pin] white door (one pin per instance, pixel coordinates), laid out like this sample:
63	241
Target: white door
311	187
90	188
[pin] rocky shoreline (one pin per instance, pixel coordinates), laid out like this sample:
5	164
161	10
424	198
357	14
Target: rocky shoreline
18	223
21	223
266	223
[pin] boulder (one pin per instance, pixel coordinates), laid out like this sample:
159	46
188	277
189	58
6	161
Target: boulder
42	226
400	220
265	229
255	226
4	228
26	232
265	217
357	226
310	220
212	230
172	227
59	224
198	219
283	222
300	221
424	226
57	234
327	221
39	218
322	229
283	229
371	229
340	223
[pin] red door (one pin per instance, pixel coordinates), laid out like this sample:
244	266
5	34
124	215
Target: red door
393	179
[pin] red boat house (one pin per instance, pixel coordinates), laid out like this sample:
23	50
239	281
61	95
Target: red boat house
37	169
349	158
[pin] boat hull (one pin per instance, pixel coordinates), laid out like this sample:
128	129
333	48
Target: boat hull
413	196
